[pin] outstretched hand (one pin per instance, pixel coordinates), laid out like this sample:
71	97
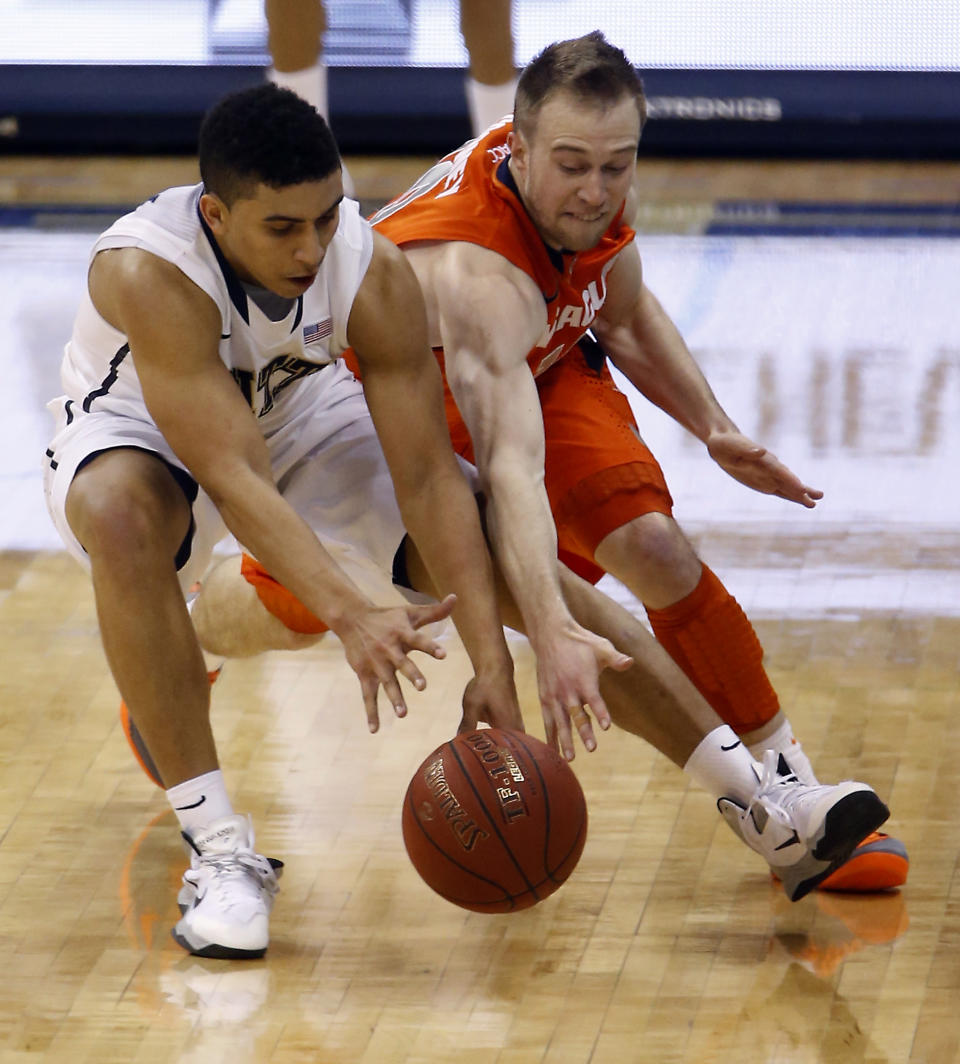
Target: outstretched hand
757	468
377	643
568	673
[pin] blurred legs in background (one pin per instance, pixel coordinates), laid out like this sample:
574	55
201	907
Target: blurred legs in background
295	40
492	78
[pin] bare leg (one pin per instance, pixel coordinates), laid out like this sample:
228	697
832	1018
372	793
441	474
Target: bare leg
712	640
491	81
296	29
652	557
488	36
230	620
131	517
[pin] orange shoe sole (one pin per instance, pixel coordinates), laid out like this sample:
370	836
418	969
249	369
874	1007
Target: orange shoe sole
878	863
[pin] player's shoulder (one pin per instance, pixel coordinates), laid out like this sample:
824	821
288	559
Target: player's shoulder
127	284
463	258
145	246
137	272
172	211
627	265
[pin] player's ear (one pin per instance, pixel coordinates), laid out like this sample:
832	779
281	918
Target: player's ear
518	149
214	211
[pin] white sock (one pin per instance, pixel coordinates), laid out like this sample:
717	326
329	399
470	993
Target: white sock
784	742
310	84
488	103
200	801
723	766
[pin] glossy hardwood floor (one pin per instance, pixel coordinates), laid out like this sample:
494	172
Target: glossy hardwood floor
670	944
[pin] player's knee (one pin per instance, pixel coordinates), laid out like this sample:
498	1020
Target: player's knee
651	550
126	517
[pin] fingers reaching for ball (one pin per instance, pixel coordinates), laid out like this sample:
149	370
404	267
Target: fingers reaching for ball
562	724
580	719
377	643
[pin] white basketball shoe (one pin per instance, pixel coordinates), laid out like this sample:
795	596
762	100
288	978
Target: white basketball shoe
227	893
803	831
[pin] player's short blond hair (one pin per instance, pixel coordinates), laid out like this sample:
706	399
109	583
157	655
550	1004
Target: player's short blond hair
589	68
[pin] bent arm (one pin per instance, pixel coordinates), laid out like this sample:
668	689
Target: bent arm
644	344
173	329
404	391
485	341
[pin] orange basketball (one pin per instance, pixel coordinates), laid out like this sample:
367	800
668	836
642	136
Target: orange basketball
494	820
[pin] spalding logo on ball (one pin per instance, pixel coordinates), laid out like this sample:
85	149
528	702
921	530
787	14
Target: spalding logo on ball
494	820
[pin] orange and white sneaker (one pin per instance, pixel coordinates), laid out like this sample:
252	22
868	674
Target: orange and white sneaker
138	746
805	832
880	862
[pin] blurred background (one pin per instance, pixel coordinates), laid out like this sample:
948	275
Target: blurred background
784	77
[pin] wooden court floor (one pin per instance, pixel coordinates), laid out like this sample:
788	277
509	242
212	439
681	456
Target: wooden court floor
670	944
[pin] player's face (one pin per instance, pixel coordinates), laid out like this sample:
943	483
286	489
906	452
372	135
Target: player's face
277	237
576	167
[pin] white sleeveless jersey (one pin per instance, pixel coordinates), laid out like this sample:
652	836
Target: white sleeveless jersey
273	362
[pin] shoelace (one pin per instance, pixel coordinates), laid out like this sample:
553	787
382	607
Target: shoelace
239	865
775	788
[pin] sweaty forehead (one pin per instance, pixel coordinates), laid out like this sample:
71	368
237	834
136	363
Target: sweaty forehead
566	120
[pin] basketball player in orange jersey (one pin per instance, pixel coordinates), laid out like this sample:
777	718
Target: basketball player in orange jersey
521	243
508	329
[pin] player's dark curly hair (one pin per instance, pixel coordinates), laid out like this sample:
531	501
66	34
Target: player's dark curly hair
263	135
589	67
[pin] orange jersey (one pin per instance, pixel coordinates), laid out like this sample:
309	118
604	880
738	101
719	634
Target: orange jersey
470	196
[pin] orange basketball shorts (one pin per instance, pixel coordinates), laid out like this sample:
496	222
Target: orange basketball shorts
599	472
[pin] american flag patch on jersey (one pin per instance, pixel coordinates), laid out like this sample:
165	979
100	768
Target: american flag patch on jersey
318	331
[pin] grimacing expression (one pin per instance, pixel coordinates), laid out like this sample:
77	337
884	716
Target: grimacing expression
277	237
575	167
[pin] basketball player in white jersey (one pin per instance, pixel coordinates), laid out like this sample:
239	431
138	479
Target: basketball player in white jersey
203	394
